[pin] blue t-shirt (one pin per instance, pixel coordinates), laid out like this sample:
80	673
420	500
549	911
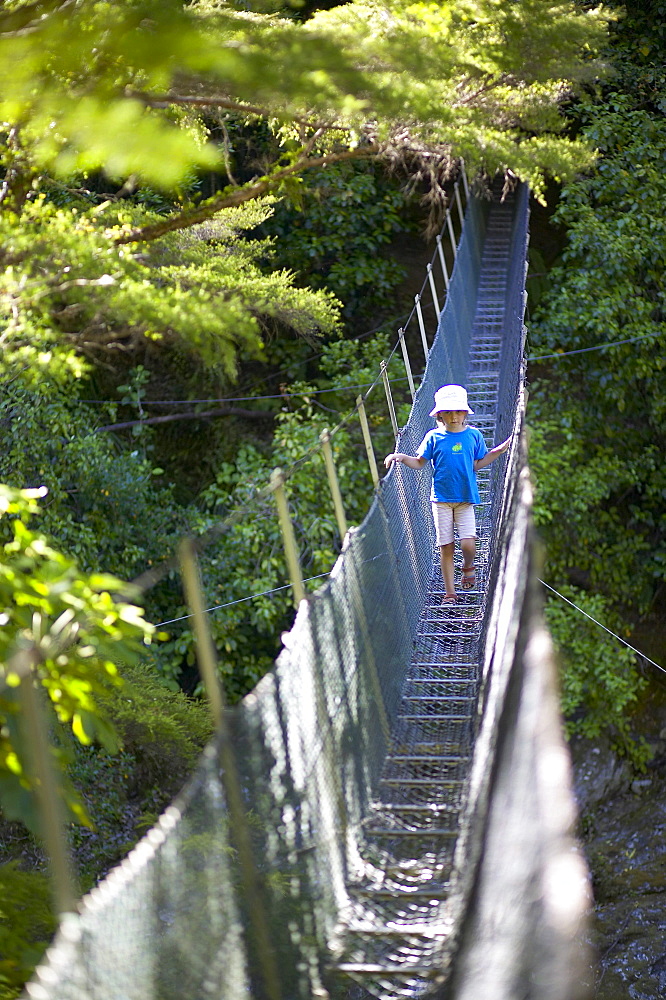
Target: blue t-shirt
453	457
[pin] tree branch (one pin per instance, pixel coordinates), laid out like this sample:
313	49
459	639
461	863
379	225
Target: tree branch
228	411
237	196
166	100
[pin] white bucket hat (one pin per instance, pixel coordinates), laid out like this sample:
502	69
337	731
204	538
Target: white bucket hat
451	397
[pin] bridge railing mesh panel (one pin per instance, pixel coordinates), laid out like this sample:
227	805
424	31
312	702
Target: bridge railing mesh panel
165	922
519	899
448	360
310	743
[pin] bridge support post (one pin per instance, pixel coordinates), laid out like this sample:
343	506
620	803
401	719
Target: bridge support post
370	452
419	314
440	251
327	451
461	214
405	358
288	536
433	289
463	174
389	398
452	235
206	658
51	818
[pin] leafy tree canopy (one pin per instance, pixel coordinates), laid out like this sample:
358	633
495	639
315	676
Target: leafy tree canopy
101	101
70	289
112	112
102	85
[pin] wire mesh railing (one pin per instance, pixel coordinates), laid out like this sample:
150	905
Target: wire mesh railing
404	894
309	746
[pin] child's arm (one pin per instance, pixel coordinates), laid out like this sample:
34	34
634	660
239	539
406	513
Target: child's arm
411	460
491	455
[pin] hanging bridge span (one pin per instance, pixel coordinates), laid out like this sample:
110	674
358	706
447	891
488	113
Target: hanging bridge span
388	814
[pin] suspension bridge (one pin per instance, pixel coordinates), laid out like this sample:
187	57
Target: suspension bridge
388	814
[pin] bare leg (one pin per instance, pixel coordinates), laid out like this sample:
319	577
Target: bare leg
468	546
446	562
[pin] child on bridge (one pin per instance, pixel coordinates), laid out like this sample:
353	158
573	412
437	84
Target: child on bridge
457	451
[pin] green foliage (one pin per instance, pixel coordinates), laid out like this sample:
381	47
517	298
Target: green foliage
637	50
609	286
249	560
78	118
27	925
69	629
335	236
93	89
105	505
104	782
70	284
601	683
464	61
605	444
588	508
162	734
164	730
598	416
97	86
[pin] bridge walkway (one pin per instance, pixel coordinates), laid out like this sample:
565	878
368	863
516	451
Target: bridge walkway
398	912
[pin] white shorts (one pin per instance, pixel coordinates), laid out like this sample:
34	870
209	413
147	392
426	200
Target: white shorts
447	514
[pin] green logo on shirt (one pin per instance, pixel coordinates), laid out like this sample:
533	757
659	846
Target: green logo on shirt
457	447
